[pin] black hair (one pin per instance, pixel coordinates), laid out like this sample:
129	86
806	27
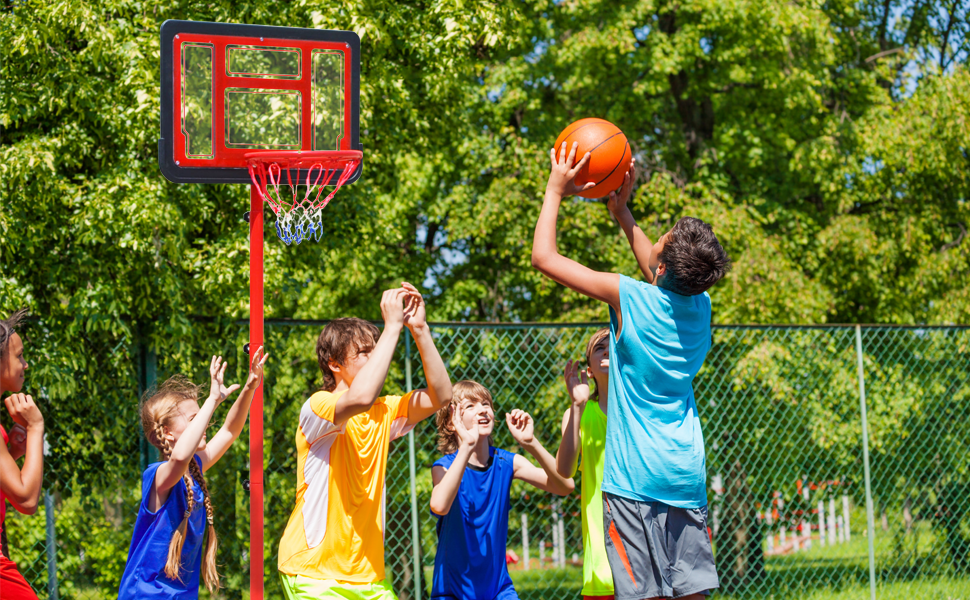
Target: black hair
695	260
8	327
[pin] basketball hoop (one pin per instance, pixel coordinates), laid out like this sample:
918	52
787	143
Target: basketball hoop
298	216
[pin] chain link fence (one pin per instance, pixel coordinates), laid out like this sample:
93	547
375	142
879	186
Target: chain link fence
838	457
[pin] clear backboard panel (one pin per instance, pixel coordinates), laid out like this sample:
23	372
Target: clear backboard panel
231	89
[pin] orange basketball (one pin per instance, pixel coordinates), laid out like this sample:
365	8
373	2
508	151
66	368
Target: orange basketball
609	154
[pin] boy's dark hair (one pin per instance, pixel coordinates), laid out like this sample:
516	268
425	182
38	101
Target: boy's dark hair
8	327
338	340
694	258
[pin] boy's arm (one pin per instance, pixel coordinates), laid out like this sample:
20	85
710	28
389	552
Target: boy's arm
367	385
22	486
427	401
639	242
447	481
545	254
236	418
577	384
547	478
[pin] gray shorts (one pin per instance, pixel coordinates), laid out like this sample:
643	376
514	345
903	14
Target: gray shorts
656	550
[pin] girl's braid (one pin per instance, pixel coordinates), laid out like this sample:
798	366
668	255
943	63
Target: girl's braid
210	572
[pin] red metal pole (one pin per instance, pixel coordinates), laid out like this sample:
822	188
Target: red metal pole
256	410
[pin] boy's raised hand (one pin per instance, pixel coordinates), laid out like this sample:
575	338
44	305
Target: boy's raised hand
563	174
577	383
256	367
617	201
392	307
466	437
414	308
217	373
520	426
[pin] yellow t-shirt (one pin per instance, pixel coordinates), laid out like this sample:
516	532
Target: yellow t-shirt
336	530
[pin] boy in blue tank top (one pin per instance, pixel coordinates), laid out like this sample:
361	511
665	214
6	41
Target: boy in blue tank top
655	477
471	494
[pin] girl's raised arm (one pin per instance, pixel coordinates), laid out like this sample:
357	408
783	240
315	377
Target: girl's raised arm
169	473
22	487
577	385
236	418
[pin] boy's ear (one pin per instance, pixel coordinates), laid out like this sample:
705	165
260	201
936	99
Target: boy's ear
661	269
334	366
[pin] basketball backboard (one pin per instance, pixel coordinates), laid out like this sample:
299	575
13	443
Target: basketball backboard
229	90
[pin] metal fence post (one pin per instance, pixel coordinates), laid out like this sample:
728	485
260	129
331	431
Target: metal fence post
870	521
147	376
51	547
415	536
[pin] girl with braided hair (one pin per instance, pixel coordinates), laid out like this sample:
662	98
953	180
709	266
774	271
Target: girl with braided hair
21	487
166	556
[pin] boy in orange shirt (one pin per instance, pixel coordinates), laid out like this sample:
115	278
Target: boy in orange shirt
333	545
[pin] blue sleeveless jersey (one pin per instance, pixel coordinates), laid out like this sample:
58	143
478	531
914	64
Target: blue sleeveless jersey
470	561
144	576
654	443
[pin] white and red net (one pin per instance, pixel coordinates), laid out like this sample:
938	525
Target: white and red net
297	203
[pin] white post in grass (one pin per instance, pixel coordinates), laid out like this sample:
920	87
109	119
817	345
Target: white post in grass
832	526
842	538
821	523
845	517
562	539
769	525
555	541
781	530
542	553
525	541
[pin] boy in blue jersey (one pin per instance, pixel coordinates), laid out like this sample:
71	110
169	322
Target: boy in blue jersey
471	494
654	484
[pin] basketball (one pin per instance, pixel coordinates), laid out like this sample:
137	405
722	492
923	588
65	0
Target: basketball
609	154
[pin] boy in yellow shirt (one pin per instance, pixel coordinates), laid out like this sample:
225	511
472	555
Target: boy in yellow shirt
333	545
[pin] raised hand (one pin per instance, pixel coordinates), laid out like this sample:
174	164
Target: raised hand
466	437
563	174
520	426
217	373
392	307
256	367
577	383
23	411
617	201
414	308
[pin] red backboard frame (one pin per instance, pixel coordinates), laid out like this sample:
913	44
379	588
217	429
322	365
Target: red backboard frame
228	164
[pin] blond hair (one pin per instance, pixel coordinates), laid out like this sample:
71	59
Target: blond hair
465	389
159	407
590	345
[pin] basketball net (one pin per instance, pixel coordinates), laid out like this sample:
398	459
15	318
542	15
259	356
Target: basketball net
276	174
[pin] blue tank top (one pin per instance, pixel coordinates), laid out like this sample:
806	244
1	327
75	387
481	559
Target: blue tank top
654	443
470	561
144	575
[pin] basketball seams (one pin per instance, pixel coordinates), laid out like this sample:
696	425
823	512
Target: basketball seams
621	161
565	136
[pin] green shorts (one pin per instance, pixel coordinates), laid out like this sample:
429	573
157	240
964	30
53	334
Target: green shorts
298	587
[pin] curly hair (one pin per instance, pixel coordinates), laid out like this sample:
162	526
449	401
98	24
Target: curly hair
465	389
8	327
